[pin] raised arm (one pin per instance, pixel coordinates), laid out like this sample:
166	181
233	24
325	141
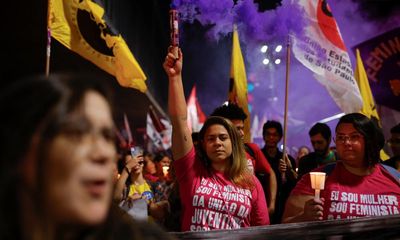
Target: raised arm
130	162
181	136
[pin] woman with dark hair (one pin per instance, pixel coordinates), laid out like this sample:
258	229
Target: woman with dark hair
356	186
57	161
217	189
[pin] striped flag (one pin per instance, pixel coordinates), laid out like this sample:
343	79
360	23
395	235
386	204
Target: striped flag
158	131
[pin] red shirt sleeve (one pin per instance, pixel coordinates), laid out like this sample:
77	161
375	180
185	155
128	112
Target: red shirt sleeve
261	163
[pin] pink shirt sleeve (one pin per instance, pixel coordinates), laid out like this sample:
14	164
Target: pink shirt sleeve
259	213
184	167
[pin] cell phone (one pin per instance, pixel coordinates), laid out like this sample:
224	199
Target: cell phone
136	151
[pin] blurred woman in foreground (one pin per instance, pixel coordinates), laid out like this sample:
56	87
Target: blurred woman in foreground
57	161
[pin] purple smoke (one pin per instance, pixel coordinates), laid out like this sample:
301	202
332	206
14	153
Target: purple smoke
252	25
308	100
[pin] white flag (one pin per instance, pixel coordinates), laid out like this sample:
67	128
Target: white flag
322	50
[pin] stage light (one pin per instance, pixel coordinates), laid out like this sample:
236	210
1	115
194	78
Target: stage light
277	61
264	48
265	61
278	48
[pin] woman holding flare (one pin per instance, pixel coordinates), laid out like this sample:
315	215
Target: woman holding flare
217	190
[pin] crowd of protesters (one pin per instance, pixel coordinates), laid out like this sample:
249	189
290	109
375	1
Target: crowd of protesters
59	168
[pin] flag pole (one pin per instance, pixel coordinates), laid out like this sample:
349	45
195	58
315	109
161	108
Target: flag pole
48	45
285	113
156	105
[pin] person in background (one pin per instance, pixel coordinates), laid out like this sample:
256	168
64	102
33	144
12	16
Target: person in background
394	143
57	160
163	162
255	158
131	183
213	179
356	185
149	169
165	177
320	136
303	150
132	186
284	170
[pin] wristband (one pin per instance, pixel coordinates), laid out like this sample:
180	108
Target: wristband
127	170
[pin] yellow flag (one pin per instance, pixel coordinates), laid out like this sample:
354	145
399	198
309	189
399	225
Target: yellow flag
369	107
238	83
81	26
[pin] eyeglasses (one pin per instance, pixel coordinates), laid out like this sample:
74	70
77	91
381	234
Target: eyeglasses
354	138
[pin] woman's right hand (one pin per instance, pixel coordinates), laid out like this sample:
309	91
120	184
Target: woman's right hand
172	64
131	162
313	209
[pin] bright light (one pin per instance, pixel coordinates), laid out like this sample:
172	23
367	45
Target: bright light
265	61
277	61
264	48
278	48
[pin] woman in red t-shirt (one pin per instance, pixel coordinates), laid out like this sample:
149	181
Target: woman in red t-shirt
357	186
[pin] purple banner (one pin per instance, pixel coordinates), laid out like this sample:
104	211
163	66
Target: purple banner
381	58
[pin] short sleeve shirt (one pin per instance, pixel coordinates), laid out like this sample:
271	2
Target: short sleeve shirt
350	196
211	201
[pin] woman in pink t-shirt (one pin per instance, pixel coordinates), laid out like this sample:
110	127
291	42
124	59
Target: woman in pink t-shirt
217	189
357	186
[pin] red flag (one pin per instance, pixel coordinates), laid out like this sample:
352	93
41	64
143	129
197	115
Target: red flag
156	120
196	117
158	131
